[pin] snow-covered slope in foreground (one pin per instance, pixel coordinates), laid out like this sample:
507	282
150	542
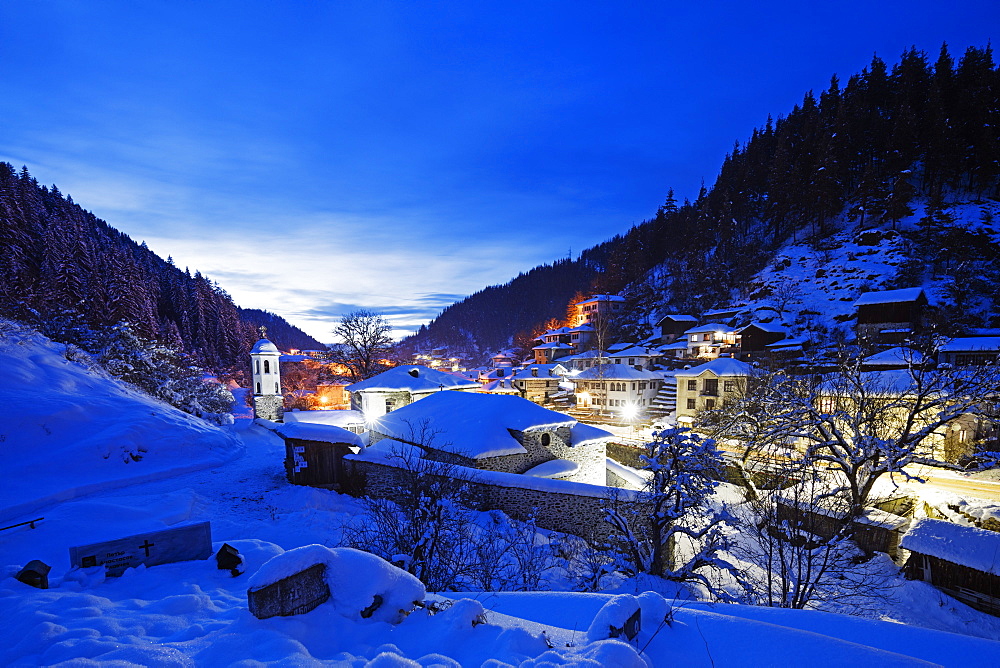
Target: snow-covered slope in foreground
66	431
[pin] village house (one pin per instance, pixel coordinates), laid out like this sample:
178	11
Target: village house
710	340
982	349
596	308
498	433
314	453
618	388
707	386
583	361
673	325
890	316
401	386
637	356
962	561
755	338
538	382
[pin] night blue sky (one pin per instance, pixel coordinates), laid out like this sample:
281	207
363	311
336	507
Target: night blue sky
316	156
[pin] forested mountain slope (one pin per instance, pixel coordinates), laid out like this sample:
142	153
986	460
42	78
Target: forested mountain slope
60	261
859	153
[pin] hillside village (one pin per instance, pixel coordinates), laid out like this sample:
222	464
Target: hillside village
544	437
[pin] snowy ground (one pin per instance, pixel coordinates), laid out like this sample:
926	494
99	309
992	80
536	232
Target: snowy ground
193	614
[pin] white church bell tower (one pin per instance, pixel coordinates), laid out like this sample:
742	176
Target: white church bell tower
268	401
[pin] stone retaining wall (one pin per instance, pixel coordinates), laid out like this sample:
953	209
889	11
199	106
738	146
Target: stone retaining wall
568	507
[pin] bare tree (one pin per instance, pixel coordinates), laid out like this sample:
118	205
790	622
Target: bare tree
859	425
795	549
685	468
364	343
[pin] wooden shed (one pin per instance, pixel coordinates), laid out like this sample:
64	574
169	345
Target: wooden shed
962	561
875	531
314	453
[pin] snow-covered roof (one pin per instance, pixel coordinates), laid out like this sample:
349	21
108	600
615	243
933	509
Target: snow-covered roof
884	382
263	346
471	424
677	317
710	327
327	433
895	357
583	434
616	372
601	298
590	354
331	417
544	371
635	351
555	345
412	378
619	346
722	366
554	468
500	386
971	343
889	296
764	327
582	328
676	345
968	546
796	342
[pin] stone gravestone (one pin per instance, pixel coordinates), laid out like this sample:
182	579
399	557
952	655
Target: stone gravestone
294	595
186	543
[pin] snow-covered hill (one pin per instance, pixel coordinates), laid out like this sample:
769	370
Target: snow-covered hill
66	430
810	287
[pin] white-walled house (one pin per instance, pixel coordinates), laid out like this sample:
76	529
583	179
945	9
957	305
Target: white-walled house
401	386
618	388
538	382
710	340
708	385
636	356
597	307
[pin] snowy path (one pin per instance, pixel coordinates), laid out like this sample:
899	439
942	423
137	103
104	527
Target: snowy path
247	497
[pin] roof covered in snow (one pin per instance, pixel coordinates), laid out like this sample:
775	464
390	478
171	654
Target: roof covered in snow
333	417
970	343
327	433
472	424
710	327
722	366
764	327
590	354
968	546
616	372
677	317
895	357
601	298
889	296
635	351
554	468
412	378
263	346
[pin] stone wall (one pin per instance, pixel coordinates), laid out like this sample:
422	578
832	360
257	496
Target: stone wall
558	505
269	406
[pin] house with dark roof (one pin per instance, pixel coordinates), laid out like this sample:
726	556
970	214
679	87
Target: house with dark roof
673	325
756	337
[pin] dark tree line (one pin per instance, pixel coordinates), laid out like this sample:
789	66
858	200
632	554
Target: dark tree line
865	148
59	260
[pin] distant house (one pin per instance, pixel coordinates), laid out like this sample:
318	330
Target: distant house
597	307
583	361
499	433
890	316
755	338
970	350
401	386
962	561
637	356
707	386
710	340
895	358
503	359
724	315
616	388
673	325
538	382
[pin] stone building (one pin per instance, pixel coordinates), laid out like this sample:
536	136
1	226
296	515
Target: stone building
401	386
502	433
